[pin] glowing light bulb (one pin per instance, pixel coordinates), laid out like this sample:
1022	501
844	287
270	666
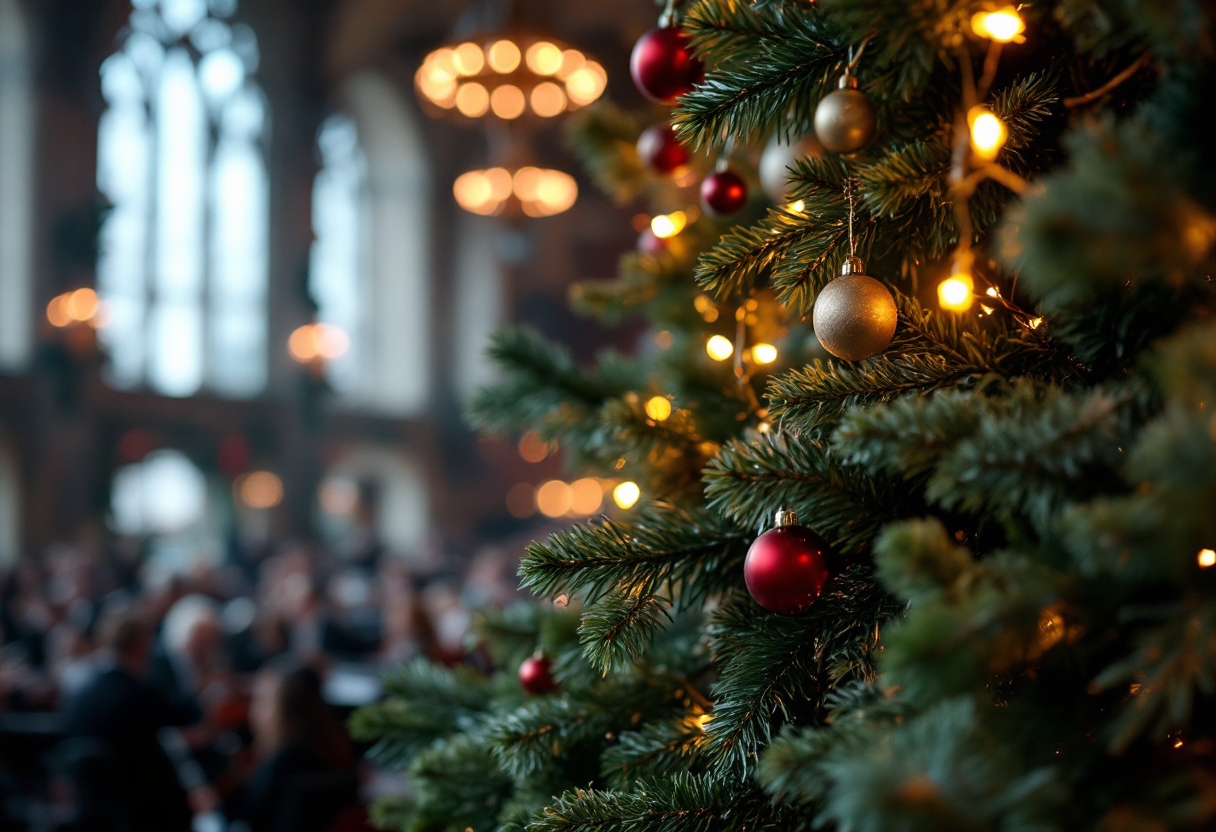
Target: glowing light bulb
472	100
796	207
668	225
81	305
473	193
626	494
764	353
954	293
544	58
468	59
548	100
988	133
1002	26
719	348
586	496
658	408
56	313
572	61
1207	557
587	83
508	102
503	56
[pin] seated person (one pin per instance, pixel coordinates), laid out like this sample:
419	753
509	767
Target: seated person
305	775
126	714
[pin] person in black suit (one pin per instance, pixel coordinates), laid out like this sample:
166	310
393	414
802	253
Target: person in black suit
116	718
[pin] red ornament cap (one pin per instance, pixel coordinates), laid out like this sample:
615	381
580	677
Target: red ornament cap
663	65
786	567
535	676
659	150
723	193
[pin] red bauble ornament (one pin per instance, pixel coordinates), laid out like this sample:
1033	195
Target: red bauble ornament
650	243
534	676
659	150
663	66
723	193
786	567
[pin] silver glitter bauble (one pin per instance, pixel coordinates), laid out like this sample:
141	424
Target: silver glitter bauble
855	315
845	120
777	159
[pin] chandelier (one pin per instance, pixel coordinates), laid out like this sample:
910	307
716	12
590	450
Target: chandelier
509	77
509	80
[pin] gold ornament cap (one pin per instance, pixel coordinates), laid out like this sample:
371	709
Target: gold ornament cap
786	518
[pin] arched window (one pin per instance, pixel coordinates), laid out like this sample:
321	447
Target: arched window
371	259
181	157
16	187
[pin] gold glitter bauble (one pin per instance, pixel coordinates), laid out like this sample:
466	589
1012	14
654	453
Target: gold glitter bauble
845	119
855	317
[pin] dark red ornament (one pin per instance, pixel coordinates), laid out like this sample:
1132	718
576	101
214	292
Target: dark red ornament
651	243
534	676
663	66
659	150
723	193
786	567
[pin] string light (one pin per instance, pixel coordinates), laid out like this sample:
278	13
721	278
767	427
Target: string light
668	225
764	353
532	448
719	348
554	498
626	494
954	293
587	496
658	408
1001	26
1207	557
988	133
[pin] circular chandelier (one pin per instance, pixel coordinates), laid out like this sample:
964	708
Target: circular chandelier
538	192
507	77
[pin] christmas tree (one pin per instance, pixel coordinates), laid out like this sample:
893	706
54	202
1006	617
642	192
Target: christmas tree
997	607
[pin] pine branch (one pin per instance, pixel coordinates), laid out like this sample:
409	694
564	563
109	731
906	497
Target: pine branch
657	750
681	803
817	396
775	670
745	482
555	730
616	630
664	546
758	80
1173	663
423	703
545	389
458	785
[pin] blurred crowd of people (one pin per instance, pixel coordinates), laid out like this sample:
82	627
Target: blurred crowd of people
211	698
